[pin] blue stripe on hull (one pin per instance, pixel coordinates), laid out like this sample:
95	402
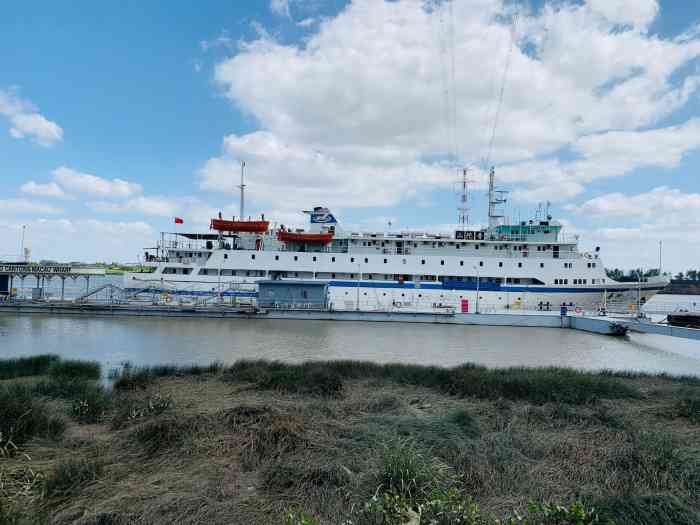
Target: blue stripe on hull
192	292
485	287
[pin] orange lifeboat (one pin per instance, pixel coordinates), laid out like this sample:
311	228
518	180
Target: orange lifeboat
288	236
239	226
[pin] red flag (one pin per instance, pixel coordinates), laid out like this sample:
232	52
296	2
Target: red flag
178	220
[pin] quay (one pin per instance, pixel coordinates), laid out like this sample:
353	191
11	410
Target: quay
595	325
10	273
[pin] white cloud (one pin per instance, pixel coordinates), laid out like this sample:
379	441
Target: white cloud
351	115
294	176
50	189
280	7
99	240
152	206
78	182
24	206
661	202
27	122
637	13
603	155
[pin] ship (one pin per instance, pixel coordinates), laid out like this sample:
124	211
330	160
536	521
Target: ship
505	265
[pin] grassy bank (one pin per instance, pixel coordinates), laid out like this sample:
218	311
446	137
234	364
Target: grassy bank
346	442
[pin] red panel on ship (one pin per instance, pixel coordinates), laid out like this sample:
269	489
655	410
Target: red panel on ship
239	226
304	237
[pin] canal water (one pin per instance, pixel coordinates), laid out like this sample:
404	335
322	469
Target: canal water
145	341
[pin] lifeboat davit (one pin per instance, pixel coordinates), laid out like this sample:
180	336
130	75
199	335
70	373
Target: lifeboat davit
239	226
288	236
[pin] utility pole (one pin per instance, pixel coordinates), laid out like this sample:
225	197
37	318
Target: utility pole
21	246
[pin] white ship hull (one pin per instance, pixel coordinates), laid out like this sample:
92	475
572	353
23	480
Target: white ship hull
426	296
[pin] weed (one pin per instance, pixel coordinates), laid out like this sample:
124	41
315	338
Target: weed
129	409
406	471
23	417
74	370
26	366
688	406
70	475
135	378
655	509
89	400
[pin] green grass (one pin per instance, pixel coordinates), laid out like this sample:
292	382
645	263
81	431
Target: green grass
26	366
135	378
655	509
23	417
89	400
537	385
73	370
71	475
688	406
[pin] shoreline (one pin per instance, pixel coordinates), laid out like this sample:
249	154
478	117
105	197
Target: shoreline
325	442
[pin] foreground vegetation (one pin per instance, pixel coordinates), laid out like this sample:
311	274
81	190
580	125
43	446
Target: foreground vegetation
345	443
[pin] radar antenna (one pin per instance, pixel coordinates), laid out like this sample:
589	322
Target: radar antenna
496	199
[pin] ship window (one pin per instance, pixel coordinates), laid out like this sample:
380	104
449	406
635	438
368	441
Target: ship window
566	281
226	256
366	260
332	259
277	257
541	265
556	281
520	265
442	263
296	274
352	259
500	265
385	261
332	276
252	256
461	263
481	263
369	277
420	295
313	259
422	261
296	258
476	246
457	246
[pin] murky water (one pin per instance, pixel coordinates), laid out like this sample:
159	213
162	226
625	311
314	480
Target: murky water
156	341
153	341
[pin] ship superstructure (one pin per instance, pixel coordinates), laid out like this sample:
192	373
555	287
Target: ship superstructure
527	265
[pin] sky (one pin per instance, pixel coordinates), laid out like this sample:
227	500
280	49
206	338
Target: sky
116	118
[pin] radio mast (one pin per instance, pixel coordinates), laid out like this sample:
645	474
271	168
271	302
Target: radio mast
463	208
496	198
242	187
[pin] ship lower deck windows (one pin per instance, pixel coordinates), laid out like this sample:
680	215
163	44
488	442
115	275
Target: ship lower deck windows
541	265
481	263
332	259
386	261
520	265
226	256
296	258
500	264
277	257
366	260
313	258
422	261
461	263
252	256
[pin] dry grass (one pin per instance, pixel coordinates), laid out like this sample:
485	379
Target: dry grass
216	448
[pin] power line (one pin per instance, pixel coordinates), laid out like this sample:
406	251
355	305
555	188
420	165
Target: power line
502	90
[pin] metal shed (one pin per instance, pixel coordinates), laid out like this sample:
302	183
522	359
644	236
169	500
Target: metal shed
291	294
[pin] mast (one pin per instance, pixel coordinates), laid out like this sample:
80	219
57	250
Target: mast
496	198
242	187
463	207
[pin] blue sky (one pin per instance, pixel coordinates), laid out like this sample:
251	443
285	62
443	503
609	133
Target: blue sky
351	104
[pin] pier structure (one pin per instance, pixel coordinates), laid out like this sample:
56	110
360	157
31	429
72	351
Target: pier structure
10	273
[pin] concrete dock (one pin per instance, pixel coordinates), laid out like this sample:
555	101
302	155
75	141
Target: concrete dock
595	325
